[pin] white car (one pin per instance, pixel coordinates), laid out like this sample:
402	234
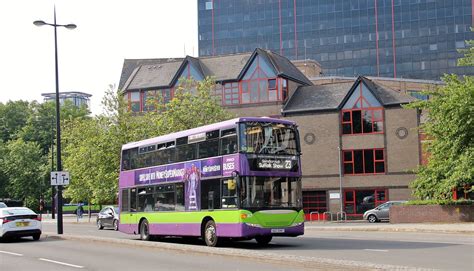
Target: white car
19	222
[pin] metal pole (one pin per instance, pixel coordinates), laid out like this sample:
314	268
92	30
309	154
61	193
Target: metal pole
52	169
58	130
340	177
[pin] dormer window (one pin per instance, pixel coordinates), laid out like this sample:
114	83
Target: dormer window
362	113
259	83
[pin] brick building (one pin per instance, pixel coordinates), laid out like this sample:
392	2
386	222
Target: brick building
355	134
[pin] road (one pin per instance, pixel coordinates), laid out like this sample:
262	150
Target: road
357	250
55	254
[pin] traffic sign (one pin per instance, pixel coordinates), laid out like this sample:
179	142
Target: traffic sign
59	177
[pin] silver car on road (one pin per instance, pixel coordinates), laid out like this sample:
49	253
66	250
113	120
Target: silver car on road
381	212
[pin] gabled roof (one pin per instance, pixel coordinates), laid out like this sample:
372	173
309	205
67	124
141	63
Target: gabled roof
129	65
152	76
223	68
333	96
387	95
191	61
286	69
317	98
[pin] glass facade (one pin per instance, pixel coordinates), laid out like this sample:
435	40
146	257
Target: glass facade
390	38
78	99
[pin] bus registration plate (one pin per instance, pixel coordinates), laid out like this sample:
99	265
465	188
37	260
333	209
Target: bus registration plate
278	230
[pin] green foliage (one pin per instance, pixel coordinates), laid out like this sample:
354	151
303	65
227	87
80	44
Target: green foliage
468	59
194	108
450	130
91	155
13	117
92	151
440	202
72	208
26	128
24	165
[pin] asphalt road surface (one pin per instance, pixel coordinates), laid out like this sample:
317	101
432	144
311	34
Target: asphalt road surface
55	254
386	250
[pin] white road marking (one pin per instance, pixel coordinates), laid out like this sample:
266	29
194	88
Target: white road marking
56	262
11	253
377	250
390	240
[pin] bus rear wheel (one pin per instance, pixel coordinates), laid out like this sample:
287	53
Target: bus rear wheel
210	235
145	231
264	240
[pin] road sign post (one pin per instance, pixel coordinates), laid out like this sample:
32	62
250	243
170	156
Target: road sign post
60	178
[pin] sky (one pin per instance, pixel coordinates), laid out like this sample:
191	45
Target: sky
90	56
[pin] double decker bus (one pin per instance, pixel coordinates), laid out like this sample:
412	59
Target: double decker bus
237	179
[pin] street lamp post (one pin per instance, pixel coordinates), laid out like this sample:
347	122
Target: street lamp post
52	169
58	128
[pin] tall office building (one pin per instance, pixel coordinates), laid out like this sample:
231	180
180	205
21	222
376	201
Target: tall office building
78	99
390	38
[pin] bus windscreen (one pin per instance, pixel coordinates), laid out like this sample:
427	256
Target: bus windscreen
268	138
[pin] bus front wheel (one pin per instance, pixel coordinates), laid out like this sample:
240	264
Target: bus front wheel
145	231
264	240
210	235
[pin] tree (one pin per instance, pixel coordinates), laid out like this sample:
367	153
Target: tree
13	117
3	176
92	152
450	128
191	109
24	165
468	58
41	125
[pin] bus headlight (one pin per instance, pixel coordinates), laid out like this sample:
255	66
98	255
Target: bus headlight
253	225
297	224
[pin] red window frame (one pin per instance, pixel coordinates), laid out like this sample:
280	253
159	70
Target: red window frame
350	122
233	88
314	197
284	89
257	80
377	202
353	163
458	192
129	95
362	106
158	93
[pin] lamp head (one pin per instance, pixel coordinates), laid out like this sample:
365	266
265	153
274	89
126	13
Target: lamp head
39	23
70	26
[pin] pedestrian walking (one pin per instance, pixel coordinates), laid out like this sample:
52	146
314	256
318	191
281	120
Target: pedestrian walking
41	208
79	211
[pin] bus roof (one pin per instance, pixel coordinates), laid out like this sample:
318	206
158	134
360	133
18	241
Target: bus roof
219	125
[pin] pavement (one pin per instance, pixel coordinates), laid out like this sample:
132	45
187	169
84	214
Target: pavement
353	225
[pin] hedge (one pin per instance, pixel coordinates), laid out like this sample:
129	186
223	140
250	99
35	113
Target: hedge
440	202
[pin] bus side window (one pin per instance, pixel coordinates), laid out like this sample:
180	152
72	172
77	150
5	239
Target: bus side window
133	200
213	186
228	145
229	193
134	158
179	197
125	200
126	160
208	148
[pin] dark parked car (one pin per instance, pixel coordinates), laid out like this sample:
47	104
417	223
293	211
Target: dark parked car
108	217
381	212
